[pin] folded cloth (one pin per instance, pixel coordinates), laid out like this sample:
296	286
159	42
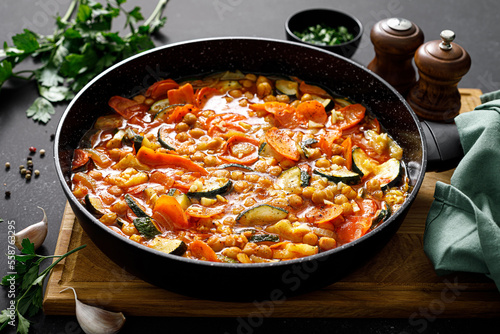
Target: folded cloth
463	225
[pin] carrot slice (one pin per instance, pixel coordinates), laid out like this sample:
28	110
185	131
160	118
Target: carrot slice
167	212
126	107
327	139
161	178
285	114
347	145
283	144
201	250
179	112
182	95
246	159
313	90
353	114
202	95
160	89
152	158
324	213
312	110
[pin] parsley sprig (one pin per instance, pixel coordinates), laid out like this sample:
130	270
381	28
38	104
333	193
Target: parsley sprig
324	35
29	285
78	50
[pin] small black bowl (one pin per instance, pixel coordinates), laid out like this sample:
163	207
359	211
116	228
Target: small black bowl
333	18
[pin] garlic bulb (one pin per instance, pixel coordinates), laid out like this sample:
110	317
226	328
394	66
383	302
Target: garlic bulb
94	320
36	233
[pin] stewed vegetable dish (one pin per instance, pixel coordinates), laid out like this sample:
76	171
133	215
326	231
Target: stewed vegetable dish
239	168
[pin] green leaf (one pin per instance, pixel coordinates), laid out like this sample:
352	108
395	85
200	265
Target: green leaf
4	316
84	13
26	41
1	220
5	71
121	2
41	110
71	33
6	279
30	277
136	14
27	246
48	76
56	93
23	324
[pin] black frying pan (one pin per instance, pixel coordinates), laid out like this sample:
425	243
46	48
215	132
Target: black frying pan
241	281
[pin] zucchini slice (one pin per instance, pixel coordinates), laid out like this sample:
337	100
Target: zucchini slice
164	140
169	246
287	87
266	151
94	205
304	145
182	198
389	173
146	227
138	142
261	214
305	178
382	214
264	237
290	179
340	175
361	162
158	106
225	166
212	188
136	209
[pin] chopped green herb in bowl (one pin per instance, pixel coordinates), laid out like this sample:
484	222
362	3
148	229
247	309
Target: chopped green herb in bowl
322	34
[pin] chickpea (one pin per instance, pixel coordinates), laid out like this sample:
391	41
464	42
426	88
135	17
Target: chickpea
139	98
337	149
322	162
295	103
115	190
231	252
182	137
108	218
249	202
378	194
250	248
237	175
214	143
349	192
264	251
337	160
252	178
287	163
306	97
244	103
307	192
340	199
248	95
181	127
210	161
96	175
198	156
190	119
119	207
221	173
310	239
270	98
251	77
264	89
243	258
274	170
246	83
241	186
264	182
149	101
347	208
295	201
283	98
196	133
326	243
373	185
215	243
129	229
236	93
280	202
318	197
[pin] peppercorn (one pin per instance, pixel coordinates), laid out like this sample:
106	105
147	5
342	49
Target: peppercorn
7	165
37	173
42	152
30	163
21	167
7	194
23	171
32	149
52	137
27	176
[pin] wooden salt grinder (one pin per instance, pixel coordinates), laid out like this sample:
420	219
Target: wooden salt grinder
441	65
395	41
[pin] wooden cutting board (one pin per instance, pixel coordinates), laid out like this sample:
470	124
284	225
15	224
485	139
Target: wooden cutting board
399	282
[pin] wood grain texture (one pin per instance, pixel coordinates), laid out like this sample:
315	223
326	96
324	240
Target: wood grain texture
399	282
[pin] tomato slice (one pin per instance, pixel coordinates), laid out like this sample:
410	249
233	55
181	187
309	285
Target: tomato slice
353	114
160	89
80	158
354	227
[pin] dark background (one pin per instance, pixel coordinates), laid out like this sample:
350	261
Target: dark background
475	24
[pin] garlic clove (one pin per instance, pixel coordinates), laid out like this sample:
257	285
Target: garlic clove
36	233
94	320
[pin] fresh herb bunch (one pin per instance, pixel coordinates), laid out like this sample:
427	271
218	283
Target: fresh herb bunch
29	285
321	34
79	49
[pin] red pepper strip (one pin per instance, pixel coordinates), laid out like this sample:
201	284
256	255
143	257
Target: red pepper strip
312	110
347	145
160	89
182	95
126	107
201	250
353	228
167	212
353	114
285	114
202	95
283	144
326	141
80	158
152	158
246	160
180	112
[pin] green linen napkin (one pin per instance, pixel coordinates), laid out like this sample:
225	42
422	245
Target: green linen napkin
463	225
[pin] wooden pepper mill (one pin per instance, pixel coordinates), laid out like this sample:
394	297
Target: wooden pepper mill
441	65
395	41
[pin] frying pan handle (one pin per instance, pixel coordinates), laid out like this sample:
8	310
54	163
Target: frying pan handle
444	150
